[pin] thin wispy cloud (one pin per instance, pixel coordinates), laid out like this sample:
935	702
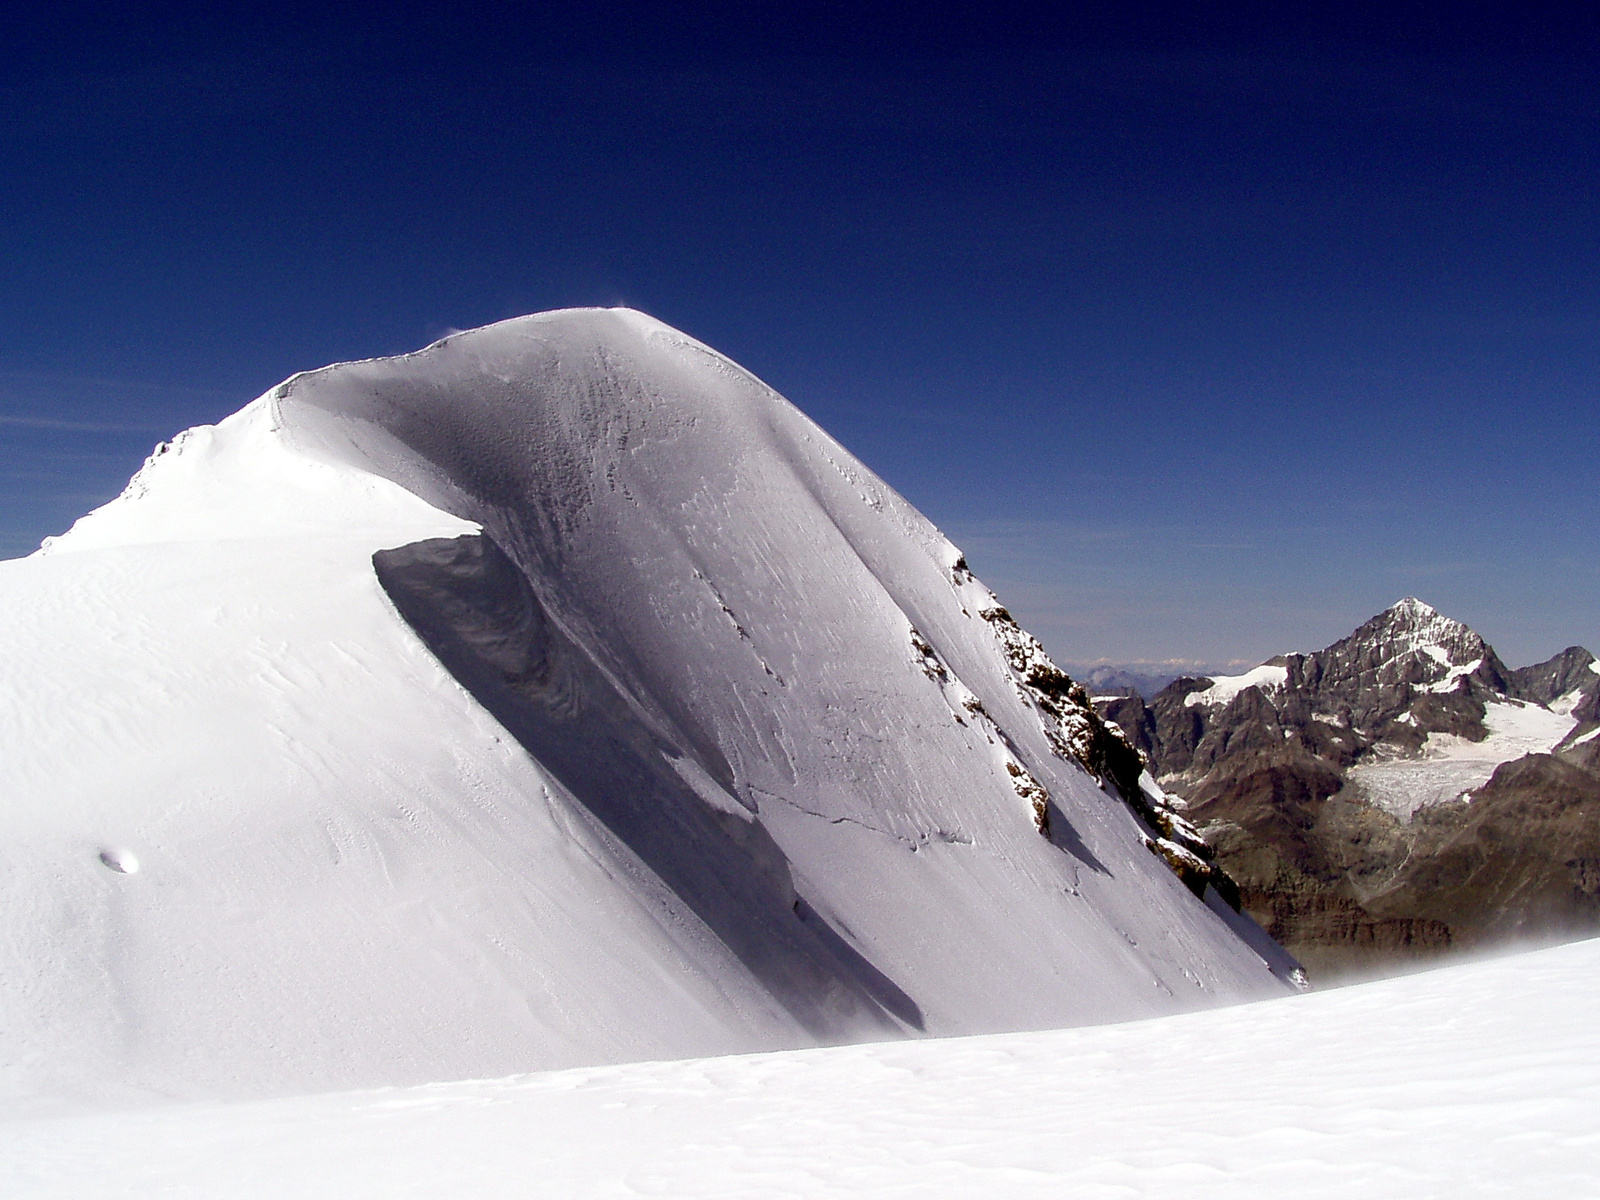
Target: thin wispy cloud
52	423
146	407
69	379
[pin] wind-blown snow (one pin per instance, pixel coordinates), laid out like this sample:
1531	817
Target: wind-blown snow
1225	688
692	741
1479	1080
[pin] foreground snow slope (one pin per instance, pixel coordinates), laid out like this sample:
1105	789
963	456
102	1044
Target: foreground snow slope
1476	1080
704	744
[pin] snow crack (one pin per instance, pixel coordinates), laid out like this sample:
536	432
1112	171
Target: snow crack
931	837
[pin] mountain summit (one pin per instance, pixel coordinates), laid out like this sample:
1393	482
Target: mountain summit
558	694
1395	794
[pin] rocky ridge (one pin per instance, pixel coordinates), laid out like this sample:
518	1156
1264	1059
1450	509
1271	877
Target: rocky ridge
1398	794
1078	732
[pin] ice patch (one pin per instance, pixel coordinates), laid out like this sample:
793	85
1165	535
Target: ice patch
1563	705
1448	683
1515	729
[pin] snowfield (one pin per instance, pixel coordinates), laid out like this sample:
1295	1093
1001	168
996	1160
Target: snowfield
1225	689
1475	1080
1450	766
555	696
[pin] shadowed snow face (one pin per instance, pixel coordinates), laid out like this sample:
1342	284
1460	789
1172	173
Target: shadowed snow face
476	612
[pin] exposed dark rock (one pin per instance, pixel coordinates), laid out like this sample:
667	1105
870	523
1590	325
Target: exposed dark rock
1343	883
1078	731
1178	728
1131	715
1546	682
1521	859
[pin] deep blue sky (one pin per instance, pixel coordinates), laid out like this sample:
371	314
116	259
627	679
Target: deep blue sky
1207	337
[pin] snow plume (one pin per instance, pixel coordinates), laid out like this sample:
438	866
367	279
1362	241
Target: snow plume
555	695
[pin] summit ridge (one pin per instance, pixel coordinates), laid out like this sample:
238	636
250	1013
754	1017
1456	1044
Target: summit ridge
557	694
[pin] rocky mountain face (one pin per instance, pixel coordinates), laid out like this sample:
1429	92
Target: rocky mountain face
1396	795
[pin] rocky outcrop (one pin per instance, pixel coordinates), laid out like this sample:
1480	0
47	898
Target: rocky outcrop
1546	682
1376	801
1079	732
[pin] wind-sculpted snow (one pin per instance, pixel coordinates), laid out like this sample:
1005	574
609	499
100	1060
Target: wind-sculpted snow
1475	1081
555	695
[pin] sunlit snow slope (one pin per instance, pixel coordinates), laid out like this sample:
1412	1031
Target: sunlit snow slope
556	695
1480	1080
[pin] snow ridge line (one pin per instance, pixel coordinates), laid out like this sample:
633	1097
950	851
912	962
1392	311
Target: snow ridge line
1022	780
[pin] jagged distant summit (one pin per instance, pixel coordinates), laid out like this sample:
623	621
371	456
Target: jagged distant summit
556	694
1409	644
1396	793
1411	632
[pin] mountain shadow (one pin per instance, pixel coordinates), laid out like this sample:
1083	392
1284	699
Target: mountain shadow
476	611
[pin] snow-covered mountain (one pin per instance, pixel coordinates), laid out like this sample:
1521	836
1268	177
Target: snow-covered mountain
555	695
1399	792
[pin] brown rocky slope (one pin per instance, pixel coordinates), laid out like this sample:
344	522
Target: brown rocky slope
1395	796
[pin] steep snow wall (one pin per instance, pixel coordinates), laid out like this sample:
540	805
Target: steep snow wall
555	695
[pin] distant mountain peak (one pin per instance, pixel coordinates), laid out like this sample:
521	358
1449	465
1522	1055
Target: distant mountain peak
1305	773
1413	615
1414	642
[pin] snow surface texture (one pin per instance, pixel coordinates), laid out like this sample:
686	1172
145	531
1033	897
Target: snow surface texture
693	739
1451	766
1480	1080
